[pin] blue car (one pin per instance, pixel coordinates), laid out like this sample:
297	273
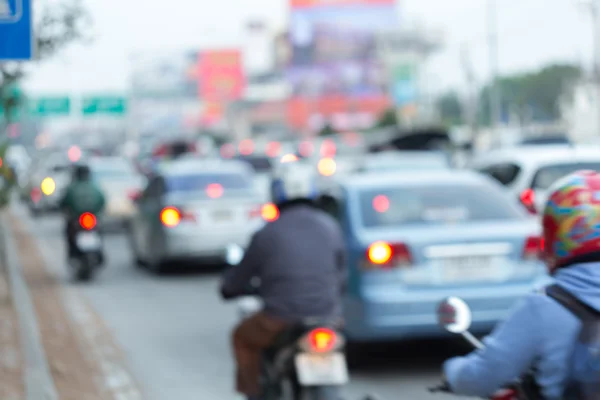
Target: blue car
416	238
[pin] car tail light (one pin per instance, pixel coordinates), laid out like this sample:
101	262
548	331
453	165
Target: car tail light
306	149
246	147
254	212
87	221
328	148
533	246
321	340
134	195
227	150
273	149
170	216
505	394
214	190
269	212
36	195
386	255
527	198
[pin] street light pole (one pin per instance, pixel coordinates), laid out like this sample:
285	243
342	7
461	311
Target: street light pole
494	92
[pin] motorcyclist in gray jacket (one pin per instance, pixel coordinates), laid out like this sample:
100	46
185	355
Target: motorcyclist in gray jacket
301	263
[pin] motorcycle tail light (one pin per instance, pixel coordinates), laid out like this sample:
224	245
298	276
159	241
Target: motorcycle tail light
87	221
321	340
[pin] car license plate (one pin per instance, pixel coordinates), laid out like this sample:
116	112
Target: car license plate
87	241
321	369
222	215
464	269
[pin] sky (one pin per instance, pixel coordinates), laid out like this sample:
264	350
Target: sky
530	33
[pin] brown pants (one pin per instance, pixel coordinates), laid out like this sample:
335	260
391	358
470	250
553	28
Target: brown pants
250	338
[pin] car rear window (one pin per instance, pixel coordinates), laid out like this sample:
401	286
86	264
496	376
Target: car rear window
113	171
408	163
259	164
440	204
199	182
546	176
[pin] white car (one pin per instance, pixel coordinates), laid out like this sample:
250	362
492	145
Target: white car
528	171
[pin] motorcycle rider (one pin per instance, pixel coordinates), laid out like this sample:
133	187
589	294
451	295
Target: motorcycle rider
81	196
541	333
300	261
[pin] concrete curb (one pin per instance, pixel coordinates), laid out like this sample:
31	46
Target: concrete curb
39	384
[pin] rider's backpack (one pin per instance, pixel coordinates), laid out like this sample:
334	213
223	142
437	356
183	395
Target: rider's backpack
584	382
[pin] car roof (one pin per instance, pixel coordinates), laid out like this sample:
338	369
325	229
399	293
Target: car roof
422	178
540	155
193	166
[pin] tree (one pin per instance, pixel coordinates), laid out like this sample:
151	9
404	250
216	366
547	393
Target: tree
450	108
388	118
59	23
531	95
327	131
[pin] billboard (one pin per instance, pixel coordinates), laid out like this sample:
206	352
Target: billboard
334	53
164	75
221	75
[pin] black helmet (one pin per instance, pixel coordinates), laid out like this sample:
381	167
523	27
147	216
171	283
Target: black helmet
81	172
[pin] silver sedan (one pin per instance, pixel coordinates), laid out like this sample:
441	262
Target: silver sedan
194	209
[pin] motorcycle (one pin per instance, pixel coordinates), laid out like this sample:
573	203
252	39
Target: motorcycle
306	362
88	248
454	315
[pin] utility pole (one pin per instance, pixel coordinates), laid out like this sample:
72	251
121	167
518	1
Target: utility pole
592	7
494	92
470	105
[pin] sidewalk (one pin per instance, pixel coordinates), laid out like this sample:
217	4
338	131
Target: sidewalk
73	337
11	358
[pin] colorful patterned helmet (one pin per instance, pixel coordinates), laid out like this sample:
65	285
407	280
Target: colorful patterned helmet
571	220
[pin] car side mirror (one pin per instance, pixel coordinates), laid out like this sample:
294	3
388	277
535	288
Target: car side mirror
454	315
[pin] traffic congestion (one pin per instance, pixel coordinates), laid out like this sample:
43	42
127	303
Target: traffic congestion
417	229
299	200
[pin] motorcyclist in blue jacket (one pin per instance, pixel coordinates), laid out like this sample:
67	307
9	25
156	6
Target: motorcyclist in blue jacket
300	260
540	332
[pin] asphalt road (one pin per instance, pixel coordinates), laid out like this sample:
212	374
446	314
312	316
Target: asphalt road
174	330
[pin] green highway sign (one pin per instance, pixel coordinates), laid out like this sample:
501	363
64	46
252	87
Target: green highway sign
111	105
49	106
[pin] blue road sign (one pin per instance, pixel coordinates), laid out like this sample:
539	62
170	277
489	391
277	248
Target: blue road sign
16	30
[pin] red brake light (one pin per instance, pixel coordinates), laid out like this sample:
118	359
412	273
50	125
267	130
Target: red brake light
87	221
170	217
322	340
328	148
134	195
533	247
214	190
528	199
381	203
273	149
227	150
306	149
246	147
385	255
36	194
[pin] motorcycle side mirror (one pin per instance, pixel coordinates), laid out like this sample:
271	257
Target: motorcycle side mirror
234	254
454	315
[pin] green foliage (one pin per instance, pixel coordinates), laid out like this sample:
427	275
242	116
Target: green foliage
531	95
450	109
327	131
387	119
7	176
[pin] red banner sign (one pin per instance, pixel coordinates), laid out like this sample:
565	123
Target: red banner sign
221	75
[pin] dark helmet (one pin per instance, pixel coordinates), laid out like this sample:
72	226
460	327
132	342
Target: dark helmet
81	172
